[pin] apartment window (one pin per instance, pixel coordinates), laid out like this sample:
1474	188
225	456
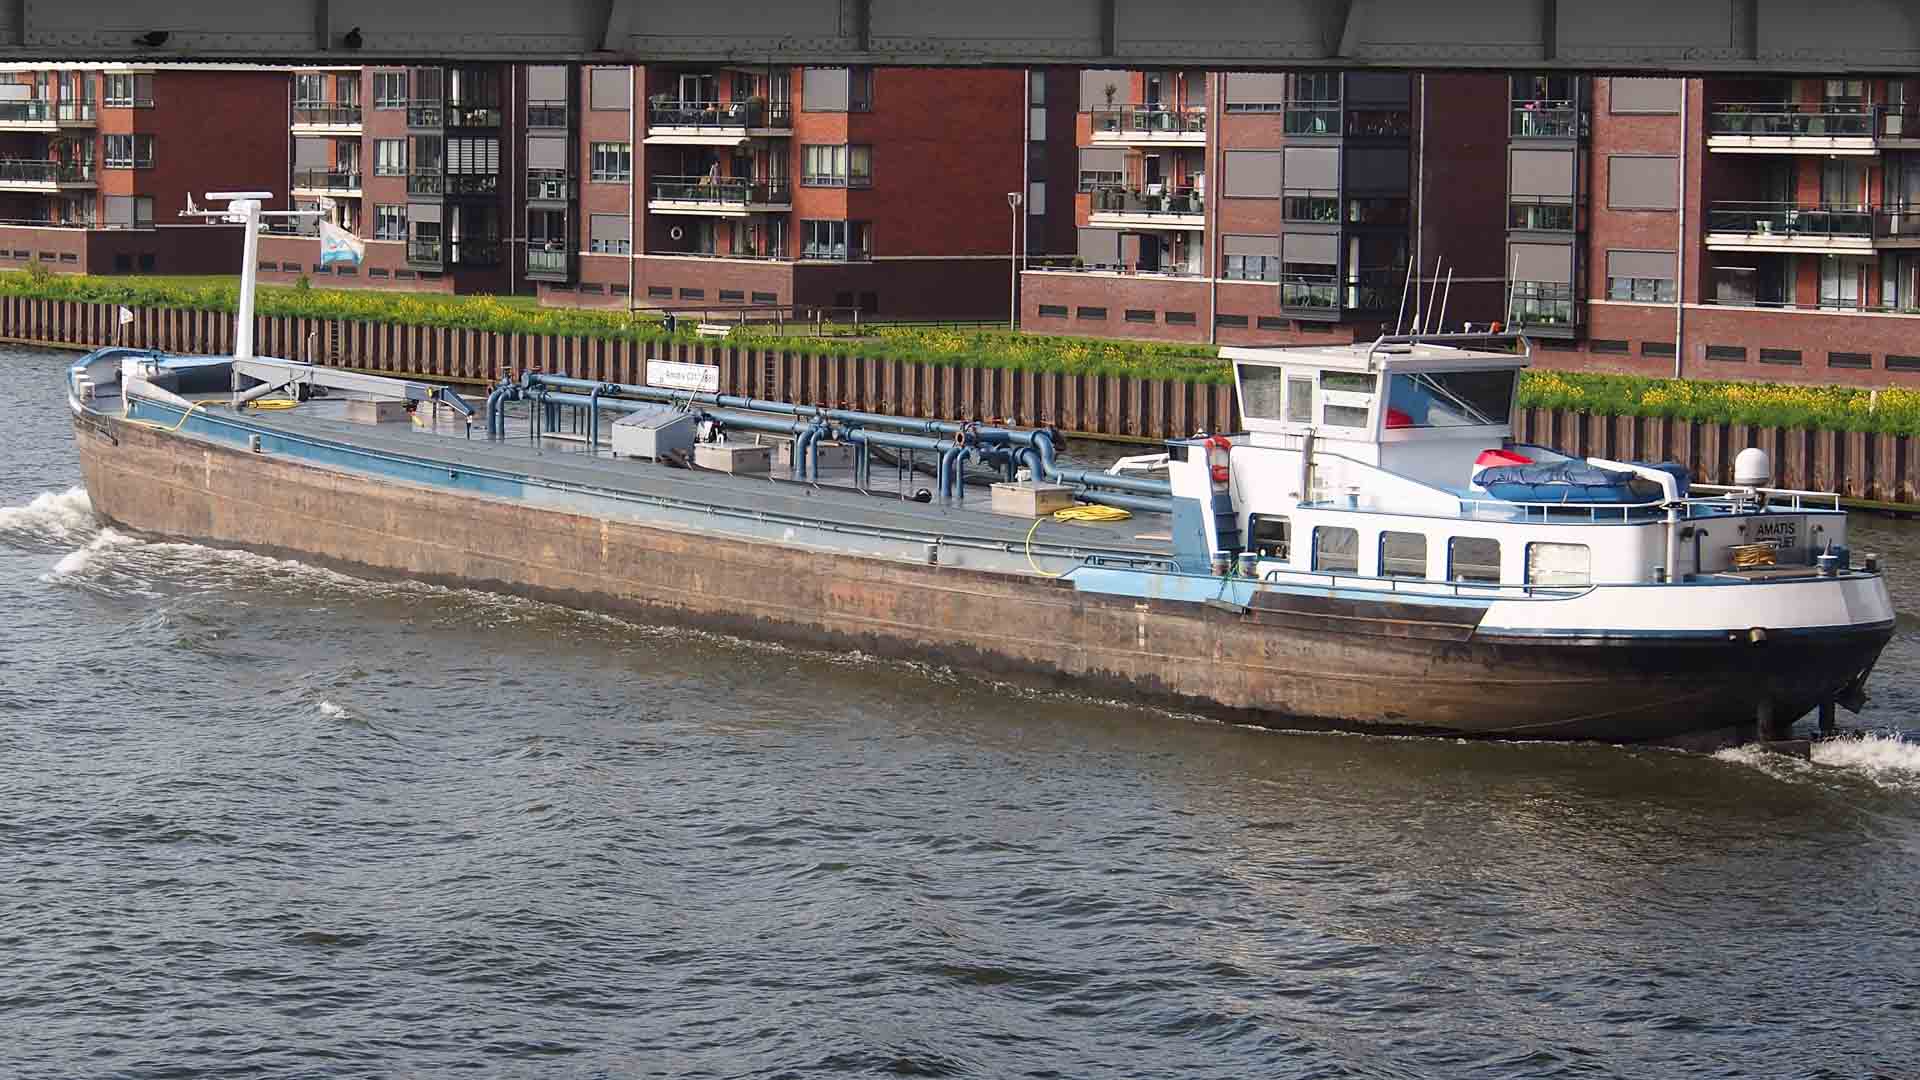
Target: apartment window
389	157
765	298
389	89
1609	345
1849	360
473	157
736	295
1255	91
1643	183
1097	314
837	166
129	212
1644	96
1842	280
1053	311
1643	276
610	89
660	292
129	91
1238	321
309	90
389	222
1784	357
1897	362
1102	167
693	294
1273	322
1182	318
607	234
1140	315
1036	88
837	89
1661	350
346	89
844	240
1336	550
612	162
1251	258
1734	353
129	152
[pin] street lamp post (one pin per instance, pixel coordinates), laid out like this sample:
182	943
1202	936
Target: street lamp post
1014	199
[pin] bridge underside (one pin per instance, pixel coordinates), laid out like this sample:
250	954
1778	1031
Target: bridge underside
1775	36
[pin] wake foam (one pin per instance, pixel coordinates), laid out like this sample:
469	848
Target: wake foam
51	516
76	562
1883	760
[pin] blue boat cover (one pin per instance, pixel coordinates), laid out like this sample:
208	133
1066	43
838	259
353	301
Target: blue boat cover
1575	482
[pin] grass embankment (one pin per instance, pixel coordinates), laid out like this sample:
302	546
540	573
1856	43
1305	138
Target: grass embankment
1765	404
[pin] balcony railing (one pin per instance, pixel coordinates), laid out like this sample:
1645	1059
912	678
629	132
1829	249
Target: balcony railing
1171	201
44	172
1375	289
1540	214
1147	120
1390	210
426	114
462	115
550	185
326	115
1540	303
752	113
542	260
426	183
1077	264
1779	119
424	251
26	112
727	191
76	112
1790	220
1312	118
1545	119
1309	292
473	184
325	180
1380	123
1310	204
546	114
481	252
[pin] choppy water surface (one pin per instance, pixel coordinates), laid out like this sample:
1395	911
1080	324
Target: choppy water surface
265	820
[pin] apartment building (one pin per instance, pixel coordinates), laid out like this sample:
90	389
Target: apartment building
1276	208
418	161
1718	228
882	190
96	161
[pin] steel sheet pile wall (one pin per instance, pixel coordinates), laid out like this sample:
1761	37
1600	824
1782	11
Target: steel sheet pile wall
1882	468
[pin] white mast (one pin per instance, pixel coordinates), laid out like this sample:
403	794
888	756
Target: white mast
243	208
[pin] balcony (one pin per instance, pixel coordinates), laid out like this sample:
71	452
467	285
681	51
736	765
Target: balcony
1776	128
320	118
323	182
75	114
1311	118
27	116
1543	309
715	123
461	114
472	185
1170	208
43	176
1313	296
1773	226
1326	297
549	185
426	183
1541	213
426	113
546	114
727	196
1312	205
1546	119
1148	125
549	263
425	252
484	251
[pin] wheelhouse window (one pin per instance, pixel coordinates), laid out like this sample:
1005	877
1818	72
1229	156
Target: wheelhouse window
1272	537
1260	391
1403	554
1559	564
1431	399
1336	550
1299	401
1474	559
1346	398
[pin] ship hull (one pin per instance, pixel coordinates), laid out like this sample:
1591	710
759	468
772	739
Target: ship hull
1284	660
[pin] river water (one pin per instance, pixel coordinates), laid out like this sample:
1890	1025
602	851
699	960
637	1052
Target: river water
258	819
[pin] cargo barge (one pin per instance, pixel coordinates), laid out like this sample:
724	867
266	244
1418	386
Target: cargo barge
1373	552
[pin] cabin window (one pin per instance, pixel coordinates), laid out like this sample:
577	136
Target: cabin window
1299	401
1354	416
1474	558
1345	398
1336	550
1559	564
1403	554
1352	382
1273	537
1260	391
1450	399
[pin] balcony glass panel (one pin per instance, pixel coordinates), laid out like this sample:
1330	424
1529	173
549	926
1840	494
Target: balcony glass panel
1380	123
1550	119
26	112
1308	204
1786	119
1540	303
724	191
663	111
1169	201
549	184
1312	118
44	172
1147	120
540	261
1539	215
547	114
1813	221
331	115
327	180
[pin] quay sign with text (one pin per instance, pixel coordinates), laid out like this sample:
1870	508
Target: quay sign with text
677	376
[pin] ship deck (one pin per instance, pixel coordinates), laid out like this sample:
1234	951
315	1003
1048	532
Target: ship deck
564	459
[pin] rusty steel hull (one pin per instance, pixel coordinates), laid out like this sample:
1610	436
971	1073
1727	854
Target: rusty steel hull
1287	660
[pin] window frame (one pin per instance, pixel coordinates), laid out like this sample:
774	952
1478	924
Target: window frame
1585	579
1280	551
1453	561
1386	561
136	141
383	167
380	99
1319	550
621	154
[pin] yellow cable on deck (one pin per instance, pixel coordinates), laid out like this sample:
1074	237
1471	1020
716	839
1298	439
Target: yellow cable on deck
1088	513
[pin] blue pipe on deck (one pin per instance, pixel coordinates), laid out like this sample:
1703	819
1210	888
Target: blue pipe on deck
1127	502
494	404
593	420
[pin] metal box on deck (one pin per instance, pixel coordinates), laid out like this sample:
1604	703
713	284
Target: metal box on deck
653	430
732	457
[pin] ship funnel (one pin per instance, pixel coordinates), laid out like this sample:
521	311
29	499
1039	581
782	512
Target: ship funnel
1752	468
